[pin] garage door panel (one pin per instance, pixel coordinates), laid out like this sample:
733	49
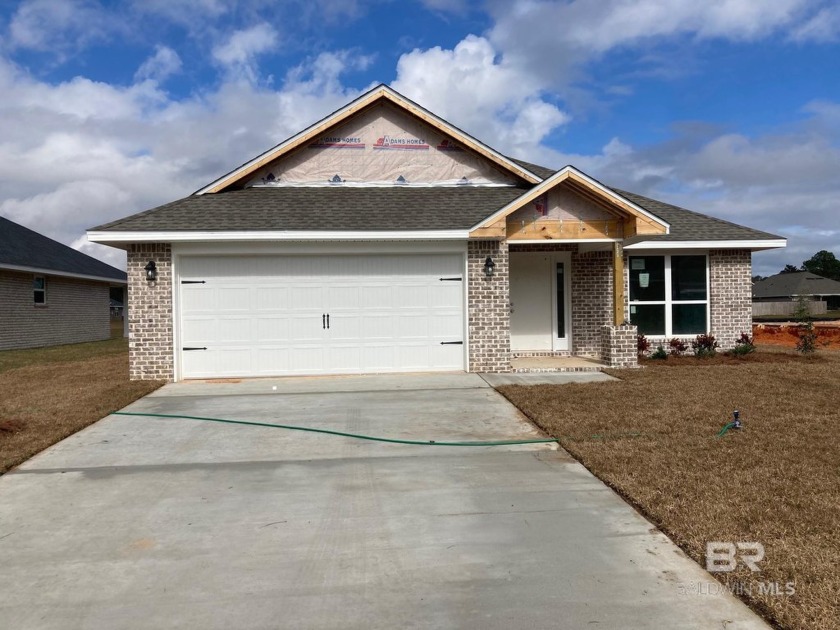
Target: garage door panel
264	315
270	298
272	329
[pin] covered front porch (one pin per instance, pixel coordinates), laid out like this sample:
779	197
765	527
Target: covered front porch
567	307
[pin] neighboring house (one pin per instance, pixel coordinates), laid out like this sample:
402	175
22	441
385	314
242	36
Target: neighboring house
789	287
384	239
51	294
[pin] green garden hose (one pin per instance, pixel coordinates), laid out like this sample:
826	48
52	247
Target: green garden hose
339	433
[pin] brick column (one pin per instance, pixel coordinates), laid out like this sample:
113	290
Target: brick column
150	314
488	307
619	348
730	280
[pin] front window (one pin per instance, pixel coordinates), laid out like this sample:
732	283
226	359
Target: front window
669	295
39	290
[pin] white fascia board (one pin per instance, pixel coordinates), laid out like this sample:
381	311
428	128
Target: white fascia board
547	184
279	149
203	236
63	274
754	245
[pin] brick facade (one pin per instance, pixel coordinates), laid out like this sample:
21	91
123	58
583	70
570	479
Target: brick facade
592	299
76	311
593	334
488	305
730	278
619	347
150	314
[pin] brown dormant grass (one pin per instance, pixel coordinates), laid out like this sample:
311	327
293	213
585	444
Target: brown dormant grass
47	394
652	437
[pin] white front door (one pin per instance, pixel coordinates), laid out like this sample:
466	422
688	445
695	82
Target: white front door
540	289
333	314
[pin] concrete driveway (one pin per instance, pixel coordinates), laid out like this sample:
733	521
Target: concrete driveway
158	523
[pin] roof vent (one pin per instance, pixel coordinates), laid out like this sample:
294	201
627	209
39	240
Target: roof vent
269	178
401	180
336	179
463	181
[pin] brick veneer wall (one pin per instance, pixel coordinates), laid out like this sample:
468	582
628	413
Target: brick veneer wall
619	345
592	296
488	307
150	314
76	311
730	279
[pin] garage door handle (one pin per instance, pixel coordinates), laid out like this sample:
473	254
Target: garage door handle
328	321
451	279
323	321
187	349
452	343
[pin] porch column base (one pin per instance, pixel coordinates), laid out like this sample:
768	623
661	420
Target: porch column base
618	346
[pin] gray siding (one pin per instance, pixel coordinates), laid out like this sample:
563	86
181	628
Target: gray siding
76	311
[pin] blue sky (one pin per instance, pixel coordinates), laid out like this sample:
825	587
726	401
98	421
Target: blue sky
730	107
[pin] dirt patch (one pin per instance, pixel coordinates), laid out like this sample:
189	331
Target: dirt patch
786	335
652	437
46	400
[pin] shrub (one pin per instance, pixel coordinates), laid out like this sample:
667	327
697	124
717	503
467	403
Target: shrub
807	342
743	345
677	347
659	353
642	345
704	345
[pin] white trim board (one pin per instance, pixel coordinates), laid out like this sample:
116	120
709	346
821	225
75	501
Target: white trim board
755	245
202	236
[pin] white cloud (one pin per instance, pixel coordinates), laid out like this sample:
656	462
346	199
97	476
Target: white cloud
824	26
238	54
81	153
556	39
160	66
471	88
58	26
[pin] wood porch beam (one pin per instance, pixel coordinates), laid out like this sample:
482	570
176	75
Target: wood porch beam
618	284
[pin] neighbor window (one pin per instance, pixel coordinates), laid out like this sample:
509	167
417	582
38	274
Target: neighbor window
669	295
39	290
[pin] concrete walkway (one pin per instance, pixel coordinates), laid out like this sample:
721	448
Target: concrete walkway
158	523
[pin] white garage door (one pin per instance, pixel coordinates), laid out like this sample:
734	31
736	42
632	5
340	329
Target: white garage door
276	315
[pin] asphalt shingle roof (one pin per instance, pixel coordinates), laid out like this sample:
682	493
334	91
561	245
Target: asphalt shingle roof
797	283
687	225
325	208
22	247
385	209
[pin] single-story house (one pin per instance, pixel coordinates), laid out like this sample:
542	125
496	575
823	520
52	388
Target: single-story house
385	239
51	294
789	287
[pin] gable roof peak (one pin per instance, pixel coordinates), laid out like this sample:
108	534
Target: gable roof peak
381	92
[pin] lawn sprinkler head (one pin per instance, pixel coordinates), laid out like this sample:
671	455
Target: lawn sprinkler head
736	419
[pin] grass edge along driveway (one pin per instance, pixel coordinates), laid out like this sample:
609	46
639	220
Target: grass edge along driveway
51	393
652	437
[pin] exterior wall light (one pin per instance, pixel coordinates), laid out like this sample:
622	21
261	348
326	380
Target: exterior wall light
151	271
489	267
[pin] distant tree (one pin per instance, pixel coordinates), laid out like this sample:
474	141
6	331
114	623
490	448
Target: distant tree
790	269
823	263
758	278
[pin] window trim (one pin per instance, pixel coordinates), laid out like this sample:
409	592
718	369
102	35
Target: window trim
35	291
669	302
